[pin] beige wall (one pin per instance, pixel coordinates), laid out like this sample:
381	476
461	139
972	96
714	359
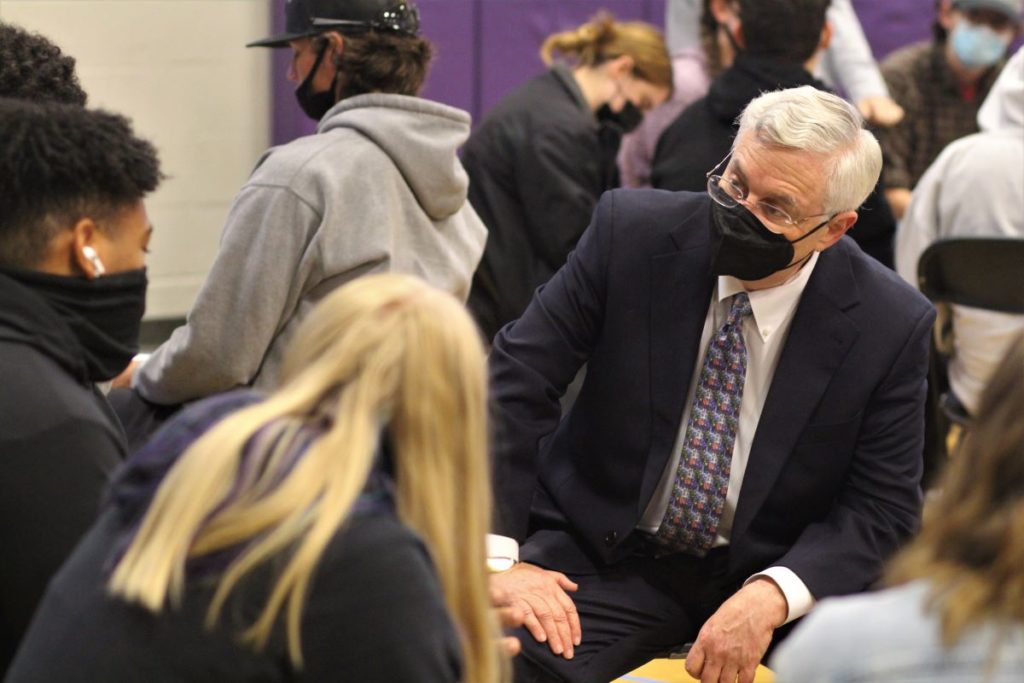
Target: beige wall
180	71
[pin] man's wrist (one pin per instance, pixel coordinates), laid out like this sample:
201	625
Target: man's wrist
770	595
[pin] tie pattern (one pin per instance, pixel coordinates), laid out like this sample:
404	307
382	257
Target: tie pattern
695	506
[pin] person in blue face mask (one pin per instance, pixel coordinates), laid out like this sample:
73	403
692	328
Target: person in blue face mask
73	240
941	84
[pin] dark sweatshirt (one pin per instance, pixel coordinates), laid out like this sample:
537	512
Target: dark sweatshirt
59	442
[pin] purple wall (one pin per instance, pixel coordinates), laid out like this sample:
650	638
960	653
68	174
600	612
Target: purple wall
487	47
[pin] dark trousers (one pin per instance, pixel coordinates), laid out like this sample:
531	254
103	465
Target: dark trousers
630	613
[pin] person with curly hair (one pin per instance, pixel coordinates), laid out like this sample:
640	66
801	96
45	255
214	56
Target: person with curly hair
73	241
33	68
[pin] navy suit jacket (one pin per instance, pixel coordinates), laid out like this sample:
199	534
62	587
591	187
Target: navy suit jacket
832	482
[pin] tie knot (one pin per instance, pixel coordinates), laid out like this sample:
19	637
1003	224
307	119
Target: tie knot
740	308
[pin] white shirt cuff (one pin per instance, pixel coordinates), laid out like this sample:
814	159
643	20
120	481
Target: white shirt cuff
502	552
799	600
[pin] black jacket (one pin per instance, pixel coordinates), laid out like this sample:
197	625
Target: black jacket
702	136
537	164
59	441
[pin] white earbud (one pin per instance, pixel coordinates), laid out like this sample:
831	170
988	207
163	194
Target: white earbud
92	257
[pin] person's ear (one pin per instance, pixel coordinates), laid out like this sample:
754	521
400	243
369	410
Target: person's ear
84	257
946	15
836	228
826	37
722	11
336	43
621	67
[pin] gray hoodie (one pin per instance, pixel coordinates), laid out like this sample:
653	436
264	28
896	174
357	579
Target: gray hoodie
975	188
378	188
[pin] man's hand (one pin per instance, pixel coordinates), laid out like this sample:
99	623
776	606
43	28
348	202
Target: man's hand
732	642
549	613
509	616
881	111
124	380
899	200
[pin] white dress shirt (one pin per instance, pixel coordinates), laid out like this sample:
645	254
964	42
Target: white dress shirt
764	333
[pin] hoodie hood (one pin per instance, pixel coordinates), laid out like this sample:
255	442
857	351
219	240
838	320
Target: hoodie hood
747	78
26	318
424	152
1004	107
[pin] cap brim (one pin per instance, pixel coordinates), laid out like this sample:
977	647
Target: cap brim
280	40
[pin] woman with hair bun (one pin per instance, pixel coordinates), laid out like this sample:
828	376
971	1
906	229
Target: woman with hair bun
333	530
541	158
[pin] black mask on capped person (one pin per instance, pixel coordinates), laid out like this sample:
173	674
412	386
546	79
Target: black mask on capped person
104	314
626	120
745	248
315	104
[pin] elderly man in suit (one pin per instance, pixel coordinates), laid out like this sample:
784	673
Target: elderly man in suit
748	436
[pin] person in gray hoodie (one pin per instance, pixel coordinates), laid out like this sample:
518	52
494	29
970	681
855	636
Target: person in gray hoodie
377	188
975	188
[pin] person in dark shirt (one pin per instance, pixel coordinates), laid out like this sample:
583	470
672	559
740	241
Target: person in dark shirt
332	530
540	160
777	46
73	240
940	84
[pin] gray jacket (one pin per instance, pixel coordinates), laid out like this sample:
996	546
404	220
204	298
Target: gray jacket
378	188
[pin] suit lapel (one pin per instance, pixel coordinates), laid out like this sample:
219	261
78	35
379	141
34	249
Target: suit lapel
680	293
820	337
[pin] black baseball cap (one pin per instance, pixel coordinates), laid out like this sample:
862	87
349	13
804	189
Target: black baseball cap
304	18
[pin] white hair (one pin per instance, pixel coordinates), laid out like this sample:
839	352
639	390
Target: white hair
819	122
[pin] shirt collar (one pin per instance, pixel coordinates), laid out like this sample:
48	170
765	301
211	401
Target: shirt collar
771	308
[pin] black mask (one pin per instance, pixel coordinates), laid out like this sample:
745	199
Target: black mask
745	248
315	104
104	314
626	120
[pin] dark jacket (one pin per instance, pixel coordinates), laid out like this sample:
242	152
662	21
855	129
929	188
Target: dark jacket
374	612
702	136
831	484
59	442
537	165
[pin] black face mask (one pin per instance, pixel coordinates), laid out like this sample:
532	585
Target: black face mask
315	104
626	120
104	314
745	248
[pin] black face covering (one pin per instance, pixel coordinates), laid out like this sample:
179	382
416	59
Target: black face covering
626	120
104	314
746	249
315	104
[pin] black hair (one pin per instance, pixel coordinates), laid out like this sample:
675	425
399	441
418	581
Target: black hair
60	163
783	30
33	68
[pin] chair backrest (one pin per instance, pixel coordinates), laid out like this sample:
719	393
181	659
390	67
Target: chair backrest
982	272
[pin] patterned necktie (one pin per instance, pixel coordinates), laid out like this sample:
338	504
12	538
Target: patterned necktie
695	508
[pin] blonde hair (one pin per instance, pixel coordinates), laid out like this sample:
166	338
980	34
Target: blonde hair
603	38
384	351
971	546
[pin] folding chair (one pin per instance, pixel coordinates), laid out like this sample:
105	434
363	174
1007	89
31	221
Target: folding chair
980	272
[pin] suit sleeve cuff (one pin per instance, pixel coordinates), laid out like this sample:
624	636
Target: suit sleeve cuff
502	552
798	598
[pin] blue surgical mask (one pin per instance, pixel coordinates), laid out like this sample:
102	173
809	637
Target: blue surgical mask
977	46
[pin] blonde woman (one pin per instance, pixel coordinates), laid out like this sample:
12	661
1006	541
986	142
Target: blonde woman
540	159
333	530
956	608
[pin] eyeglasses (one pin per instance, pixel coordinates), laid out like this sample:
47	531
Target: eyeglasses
730	195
